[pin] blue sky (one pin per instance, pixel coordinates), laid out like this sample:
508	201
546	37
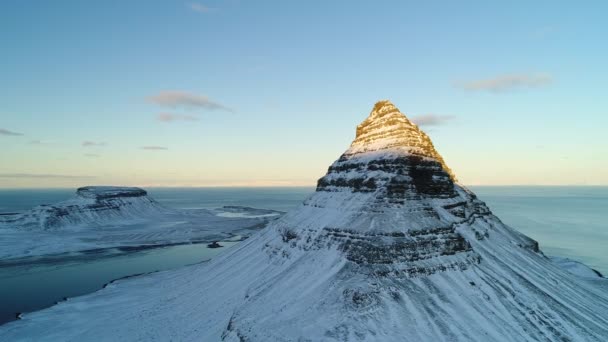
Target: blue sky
251	93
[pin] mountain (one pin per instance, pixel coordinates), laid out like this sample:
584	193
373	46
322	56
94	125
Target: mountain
103	217
389	248
92	205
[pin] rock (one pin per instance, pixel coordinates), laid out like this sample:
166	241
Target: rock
214	244
107	192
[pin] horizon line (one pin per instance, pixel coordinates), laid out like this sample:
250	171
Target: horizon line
276	186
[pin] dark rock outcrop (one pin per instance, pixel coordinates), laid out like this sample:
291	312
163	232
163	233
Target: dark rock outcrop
214	244
107	192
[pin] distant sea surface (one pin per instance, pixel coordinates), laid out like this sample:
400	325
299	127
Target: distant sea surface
567	221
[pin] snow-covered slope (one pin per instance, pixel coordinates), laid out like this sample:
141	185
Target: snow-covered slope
389	248
576	267
102	217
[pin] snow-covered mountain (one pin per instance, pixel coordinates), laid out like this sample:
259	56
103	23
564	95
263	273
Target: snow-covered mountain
389	248
92	205
101	217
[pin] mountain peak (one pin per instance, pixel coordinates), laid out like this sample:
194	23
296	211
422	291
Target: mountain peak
383	110
388	131
383	106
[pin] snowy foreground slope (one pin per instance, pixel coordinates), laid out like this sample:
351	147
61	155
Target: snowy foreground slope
389	248
103	217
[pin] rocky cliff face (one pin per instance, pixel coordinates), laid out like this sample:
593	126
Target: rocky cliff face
406	202
91	206
393	155
389	248
104	193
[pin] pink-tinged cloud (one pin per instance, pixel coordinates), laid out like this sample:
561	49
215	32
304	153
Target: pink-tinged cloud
170	117
198	7
7	132
40	142
431	119
181	99
88	143
154	148
43	175
505	83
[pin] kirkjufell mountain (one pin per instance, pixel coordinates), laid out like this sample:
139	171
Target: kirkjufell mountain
389	248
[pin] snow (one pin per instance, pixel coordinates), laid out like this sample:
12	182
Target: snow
299	279
307	294
575	267
84	223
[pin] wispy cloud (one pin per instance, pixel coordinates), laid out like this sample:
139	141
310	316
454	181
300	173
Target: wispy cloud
7	132
40	142
198	7
170	117
88	143
177	99
505	83
92	155
432	119
154	148
43	175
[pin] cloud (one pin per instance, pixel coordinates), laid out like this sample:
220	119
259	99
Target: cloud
198	7
88	143
508	82
154	148
40	142
92	155
7	132
43	175
176	99
169	117
431	119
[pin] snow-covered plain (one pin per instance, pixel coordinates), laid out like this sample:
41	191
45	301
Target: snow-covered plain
107	217
405	255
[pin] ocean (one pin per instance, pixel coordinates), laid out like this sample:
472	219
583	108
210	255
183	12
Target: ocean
568	221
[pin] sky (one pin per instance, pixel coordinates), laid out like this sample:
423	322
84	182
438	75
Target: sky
268	93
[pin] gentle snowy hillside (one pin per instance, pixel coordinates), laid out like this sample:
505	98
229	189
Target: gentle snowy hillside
389	248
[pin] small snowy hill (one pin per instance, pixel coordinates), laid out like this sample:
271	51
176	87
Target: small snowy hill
389	248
